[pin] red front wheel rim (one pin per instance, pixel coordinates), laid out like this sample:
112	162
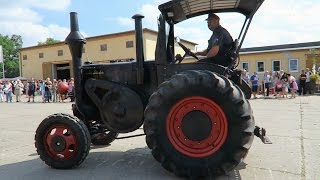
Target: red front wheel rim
197	148
60	142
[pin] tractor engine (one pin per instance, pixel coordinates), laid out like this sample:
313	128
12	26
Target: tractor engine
109	93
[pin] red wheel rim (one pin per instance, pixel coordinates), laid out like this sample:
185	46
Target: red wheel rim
210	144
60	142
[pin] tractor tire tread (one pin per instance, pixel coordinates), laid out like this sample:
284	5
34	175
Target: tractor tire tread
242	114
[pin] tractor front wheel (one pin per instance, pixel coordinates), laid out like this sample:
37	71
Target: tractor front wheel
62	141
198	124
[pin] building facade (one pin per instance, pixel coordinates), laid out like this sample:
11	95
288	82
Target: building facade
54	61
292	58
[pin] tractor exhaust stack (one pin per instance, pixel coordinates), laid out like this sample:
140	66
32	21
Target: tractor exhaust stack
139	47
75	41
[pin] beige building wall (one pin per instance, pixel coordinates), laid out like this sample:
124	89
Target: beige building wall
268	58
151	42
32	66
41	68
116	48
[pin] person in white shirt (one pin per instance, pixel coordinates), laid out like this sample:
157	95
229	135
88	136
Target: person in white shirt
245	76
18	87
308	82
1	91
8	91
266	81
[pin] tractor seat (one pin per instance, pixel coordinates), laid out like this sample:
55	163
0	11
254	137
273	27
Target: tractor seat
233	53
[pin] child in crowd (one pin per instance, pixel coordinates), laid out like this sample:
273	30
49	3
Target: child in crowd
293	85
285	85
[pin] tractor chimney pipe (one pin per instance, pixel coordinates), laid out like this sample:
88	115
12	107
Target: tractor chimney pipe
74	25
139	47
75	41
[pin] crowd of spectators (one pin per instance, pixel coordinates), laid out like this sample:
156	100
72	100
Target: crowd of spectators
47	89
279	83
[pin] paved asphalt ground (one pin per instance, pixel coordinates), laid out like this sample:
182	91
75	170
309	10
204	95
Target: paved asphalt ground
293	126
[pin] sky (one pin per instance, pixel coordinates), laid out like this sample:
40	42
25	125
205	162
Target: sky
276	22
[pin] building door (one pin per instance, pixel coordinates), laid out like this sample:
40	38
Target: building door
47	70
63	71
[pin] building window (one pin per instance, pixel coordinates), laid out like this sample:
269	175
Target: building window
60	52
260	66
40	55
24	57
129	44
293	65
245	65
103	47
276	65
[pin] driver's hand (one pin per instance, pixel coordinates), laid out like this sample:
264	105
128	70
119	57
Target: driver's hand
179	57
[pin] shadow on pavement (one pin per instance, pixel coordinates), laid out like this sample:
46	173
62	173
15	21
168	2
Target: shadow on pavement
133	164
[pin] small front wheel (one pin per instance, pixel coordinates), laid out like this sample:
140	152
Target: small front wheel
62	141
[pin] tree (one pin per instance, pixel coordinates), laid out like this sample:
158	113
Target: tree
11	46
48	41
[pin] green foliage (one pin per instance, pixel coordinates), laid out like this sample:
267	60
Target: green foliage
11	46
314	77
48	41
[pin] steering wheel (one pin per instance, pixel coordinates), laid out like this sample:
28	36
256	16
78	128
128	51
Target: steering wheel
187	50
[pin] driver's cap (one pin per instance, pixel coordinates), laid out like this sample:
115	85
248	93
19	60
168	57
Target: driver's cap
212	16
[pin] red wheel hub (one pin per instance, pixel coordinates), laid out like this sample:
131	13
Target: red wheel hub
60	142
184	136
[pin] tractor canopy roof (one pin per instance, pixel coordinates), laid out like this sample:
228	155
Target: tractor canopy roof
180	10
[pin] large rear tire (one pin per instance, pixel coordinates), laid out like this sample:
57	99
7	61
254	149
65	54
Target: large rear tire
198	123
62	141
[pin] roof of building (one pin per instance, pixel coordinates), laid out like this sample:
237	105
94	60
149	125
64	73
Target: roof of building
100	37
284	47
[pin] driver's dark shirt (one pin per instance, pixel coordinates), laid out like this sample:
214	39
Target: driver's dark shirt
222	38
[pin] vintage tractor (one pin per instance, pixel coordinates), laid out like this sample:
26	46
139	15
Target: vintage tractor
195	116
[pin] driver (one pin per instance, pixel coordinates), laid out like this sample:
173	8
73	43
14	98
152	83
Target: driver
219	44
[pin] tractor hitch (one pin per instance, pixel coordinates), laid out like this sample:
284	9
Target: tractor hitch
261	133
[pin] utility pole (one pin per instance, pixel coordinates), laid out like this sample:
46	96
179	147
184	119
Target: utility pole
2	61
